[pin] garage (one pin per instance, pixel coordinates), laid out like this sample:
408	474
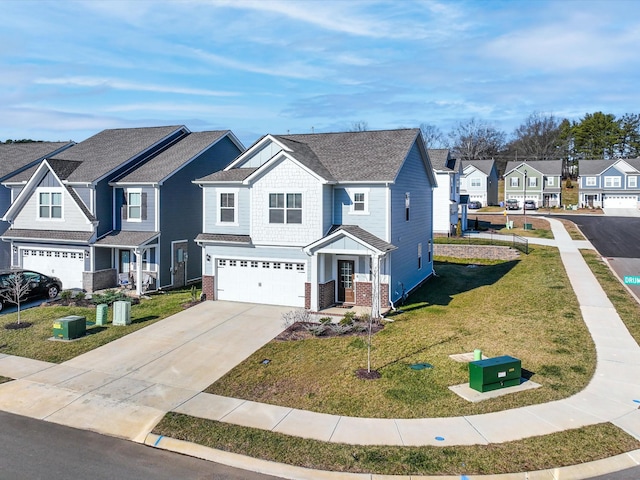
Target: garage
67	265
620	201
261	281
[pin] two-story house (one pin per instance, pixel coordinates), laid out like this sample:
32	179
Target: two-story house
15	158
538	180
320	219
480	181
609	184
117	208
447	207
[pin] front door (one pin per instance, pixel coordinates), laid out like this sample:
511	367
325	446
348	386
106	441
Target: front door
125	259
179	268
345	281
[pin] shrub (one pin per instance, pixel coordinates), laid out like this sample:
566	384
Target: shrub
295	316
109	297
348	318
66	295
315	329
325	320
80	296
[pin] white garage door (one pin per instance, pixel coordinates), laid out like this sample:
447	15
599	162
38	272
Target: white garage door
620	201
67	265
258	281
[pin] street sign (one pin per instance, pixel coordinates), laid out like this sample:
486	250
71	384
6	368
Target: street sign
632	280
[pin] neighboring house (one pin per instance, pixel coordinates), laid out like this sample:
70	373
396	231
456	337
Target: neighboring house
321	219
543	182
16	158
447	207
117	208
609	184
480	181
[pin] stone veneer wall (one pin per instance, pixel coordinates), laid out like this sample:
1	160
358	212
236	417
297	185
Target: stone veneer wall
327	294
208	286
492	252
92	281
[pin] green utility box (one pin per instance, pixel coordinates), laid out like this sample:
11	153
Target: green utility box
494	373
68	328
102	312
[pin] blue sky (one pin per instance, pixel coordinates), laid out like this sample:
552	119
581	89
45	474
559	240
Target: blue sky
69	69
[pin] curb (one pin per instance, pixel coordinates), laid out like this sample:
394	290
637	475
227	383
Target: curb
267	467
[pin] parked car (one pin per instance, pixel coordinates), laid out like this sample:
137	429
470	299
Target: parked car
513	204
474	205
530	205
39	285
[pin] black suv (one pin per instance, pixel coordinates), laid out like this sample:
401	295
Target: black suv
40	285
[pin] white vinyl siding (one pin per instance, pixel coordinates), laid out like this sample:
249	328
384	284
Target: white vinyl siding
49	204
73	219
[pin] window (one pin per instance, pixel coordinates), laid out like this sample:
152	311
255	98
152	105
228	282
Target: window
550	181
590	181
419	256
285	208
633	181
515	182
149	259
533	181
134	205
612	182
50	205
429	252
358	202
407	204
227	207
476	182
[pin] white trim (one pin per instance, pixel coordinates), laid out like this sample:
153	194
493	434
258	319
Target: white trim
236	198
590	181
49	190
633	184
128	192
351	191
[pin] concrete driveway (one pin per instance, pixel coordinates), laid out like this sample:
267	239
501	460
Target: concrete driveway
621	212
125	387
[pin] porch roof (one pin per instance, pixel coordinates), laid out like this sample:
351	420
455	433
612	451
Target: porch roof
130	239
224	238
45	235
355	232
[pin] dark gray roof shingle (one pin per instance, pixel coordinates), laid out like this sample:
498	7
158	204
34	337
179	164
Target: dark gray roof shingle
233	175
547	167
485	166
161	166
362	234
439	159
107	150
596	167
14	156
122	238
16	233
226	238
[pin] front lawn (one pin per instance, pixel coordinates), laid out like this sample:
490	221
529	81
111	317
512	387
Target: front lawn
34	341
523	308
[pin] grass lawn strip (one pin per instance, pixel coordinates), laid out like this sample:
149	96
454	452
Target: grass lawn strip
33	342
536	453
523	308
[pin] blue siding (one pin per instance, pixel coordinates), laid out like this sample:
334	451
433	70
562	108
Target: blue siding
327	207
243	211
85	195
375	221
406	235
613	172
181	207
148	222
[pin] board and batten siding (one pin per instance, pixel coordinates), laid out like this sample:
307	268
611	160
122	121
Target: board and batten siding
286	177
261	156
407	235
212	205
73	219
375	220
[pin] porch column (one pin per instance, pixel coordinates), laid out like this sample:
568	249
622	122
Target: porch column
313	280
375	286
138	253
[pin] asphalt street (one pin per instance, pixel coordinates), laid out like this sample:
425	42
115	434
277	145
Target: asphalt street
34	449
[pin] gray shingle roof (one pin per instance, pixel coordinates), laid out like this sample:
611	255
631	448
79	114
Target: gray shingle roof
485	166
171	159
596	167
56	235
109	149
362	234
439	157
547	167
354	156
14	156
218	237
233	175
123	238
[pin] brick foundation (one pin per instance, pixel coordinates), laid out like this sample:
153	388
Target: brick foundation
363	294
326	294
307	296
208	287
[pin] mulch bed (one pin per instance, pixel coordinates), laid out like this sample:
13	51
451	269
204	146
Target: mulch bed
364	374
297	331
17	326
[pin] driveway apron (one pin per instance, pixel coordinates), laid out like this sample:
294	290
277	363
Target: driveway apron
125	387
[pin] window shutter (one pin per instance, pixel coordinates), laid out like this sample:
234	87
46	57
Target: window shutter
143	209
125	212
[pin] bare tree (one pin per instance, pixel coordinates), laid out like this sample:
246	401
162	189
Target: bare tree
476	140
360	126
538	138
15	289
432	136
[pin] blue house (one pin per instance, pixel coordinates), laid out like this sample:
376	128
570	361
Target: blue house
117	209
16	158
319	220
609	184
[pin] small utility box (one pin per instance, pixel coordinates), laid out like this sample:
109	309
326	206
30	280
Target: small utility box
121	313
102	312
494	373
68	328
